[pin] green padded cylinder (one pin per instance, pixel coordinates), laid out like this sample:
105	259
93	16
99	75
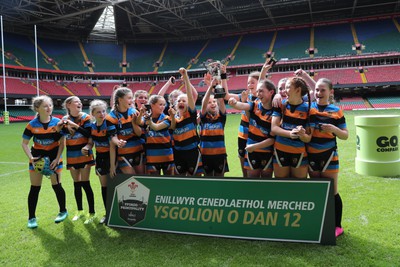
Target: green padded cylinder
377	145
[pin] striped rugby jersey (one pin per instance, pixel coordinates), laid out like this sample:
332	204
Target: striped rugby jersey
322	141
159	143
121	125
293	116
212	139
75	142
185	134
244	122
100	137
259	125
45	135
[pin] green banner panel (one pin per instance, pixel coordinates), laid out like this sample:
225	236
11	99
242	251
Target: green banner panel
273	209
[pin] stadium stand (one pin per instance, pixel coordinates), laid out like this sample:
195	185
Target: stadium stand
106	88
237	82
23	113
218	49
378	36
53	88
333	40
81	88
200	86
276	76
385	101
292	43
252	48
378	74
18	86
140	86
63	72
141	57
350	103
179	54
21	47
67	54
106	57
340	76
9	57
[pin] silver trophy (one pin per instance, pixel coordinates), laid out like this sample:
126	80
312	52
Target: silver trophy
214	68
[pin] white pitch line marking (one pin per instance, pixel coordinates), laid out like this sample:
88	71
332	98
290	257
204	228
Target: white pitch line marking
9	173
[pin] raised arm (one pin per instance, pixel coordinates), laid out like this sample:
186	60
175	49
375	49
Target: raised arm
264	70
229	95
188	87
171	113
206	98
307	78
221	105
310	81
166	86
195	94
238	105
224	83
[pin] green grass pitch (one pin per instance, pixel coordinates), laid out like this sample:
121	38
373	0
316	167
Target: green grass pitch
371	218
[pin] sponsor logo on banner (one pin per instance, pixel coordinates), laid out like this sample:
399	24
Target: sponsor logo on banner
387	144
133	198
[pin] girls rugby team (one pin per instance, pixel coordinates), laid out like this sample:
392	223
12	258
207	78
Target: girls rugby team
289	132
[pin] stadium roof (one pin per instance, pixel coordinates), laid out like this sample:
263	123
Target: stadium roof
160	20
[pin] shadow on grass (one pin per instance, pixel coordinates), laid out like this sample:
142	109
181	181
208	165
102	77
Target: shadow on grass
73	246
102	245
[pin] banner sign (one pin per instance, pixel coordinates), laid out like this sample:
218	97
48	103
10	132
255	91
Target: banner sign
273	209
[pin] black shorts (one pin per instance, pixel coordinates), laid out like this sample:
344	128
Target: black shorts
241	147
131	160
52	154
187	161
284	159
102	163
167	167
80	165
326	161
258	161
215	163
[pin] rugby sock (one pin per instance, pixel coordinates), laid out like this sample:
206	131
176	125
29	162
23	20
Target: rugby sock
338	210
89	195
33	200
78	194
104	195
60	194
